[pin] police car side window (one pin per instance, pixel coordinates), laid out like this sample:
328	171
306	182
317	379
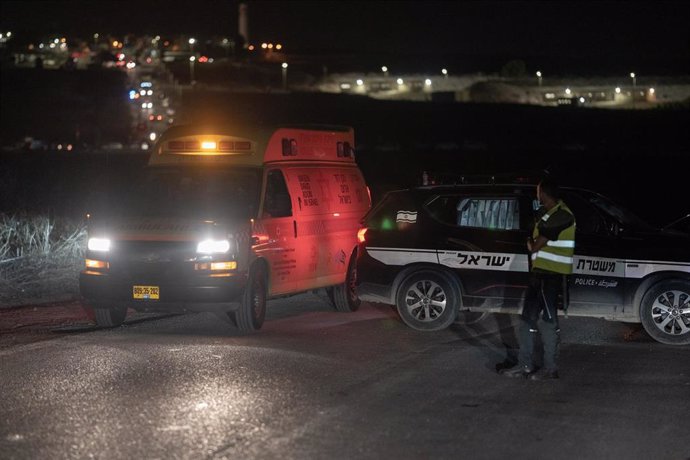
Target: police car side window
588	218
496	213
277	202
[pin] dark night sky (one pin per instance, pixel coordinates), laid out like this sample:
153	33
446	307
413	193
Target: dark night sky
520	29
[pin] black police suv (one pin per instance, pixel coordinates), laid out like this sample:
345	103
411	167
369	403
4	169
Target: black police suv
436	250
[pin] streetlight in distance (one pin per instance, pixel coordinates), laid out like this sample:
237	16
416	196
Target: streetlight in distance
634	88
191	42
384	69
284	66
192	59
444	71
539	77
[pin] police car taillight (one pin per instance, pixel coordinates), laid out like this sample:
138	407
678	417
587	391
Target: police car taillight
361	234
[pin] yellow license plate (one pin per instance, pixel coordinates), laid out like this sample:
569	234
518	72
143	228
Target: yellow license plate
146	292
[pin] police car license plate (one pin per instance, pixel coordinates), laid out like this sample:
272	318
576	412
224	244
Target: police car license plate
146	292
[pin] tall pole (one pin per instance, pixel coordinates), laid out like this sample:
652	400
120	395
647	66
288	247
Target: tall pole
284	68
634	88
191	69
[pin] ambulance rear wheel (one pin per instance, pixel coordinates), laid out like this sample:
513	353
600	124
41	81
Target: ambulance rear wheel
252	310
109	317
665	312
343	295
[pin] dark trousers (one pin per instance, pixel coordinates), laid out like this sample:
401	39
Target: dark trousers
542	298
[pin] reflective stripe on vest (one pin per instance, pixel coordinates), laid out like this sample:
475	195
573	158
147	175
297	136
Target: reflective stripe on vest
557	255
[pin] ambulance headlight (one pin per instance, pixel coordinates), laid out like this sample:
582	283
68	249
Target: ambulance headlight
99	244
213	247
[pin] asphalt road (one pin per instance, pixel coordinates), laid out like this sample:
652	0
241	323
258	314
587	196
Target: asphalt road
319	384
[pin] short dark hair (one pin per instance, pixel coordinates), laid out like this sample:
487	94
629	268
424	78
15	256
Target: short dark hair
550	187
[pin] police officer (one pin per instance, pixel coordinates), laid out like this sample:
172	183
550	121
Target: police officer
551	249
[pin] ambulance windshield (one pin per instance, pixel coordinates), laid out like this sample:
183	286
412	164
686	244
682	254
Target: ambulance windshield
197	193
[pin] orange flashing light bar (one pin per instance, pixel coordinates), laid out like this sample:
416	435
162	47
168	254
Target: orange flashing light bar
207	146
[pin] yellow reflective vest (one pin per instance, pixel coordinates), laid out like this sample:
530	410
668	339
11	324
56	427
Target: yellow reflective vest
557	255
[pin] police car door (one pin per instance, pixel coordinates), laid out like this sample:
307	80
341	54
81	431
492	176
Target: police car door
485	243
596	285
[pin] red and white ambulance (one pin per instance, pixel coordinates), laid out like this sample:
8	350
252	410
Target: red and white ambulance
228	217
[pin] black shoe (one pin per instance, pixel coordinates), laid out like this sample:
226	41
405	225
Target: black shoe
544	374
516	371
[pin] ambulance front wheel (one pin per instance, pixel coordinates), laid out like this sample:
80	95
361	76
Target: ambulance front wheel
109	316
343	295
252	310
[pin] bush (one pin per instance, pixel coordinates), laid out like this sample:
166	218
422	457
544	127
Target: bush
39	258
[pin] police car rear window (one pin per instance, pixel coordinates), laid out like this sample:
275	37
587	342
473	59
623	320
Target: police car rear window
496	213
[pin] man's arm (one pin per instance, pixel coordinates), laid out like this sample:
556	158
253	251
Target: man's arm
535	245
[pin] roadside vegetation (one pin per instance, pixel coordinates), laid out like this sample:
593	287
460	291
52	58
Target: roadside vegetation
40	258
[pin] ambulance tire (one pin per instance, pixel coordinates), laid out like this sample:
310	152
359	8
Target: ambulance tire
252	310
109	317
428	300
343	295
665	312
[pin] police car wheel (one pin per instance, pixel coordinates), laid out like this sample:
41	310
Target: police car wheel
252	310
343	295
665	312
110	317
427	301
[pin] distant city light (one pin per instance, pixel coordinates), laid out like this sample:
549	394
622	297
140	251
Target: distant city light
427	82
345	86
279	46
192	41
400	81
567	91
270	46
225	41
115	43
142	92
632	74
96	35
132	93
251	48
444	71
284	65
384	69
264	45
582	100
149	92
618	90
152	136
56	41
538	73
651	90
144	146
192	58
360	82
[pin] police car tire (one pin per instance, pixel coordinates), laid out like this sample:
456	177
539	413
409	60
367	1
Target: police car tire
450	291
110	317
252	310
343	295
646	310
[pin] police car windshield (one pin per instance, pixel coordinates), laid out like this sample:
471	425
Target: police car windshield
620	214
197	193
